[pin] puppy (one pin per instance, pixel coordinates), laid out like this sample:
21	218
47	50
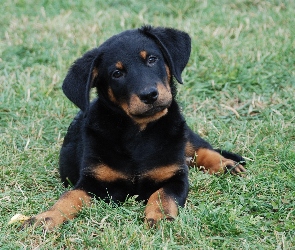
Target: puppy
132	139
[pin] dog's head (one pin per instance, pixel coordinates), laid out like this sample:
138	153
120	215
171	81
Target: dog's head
133	70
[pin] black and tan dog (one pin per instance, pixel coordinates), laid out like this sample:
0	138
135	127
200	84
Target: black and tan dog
132	140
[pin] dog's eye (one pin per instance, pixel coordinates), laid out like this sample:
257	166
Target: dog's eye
117	74
152	60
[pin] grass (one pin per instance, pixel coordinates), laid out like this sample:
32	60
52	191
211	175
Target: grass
239	94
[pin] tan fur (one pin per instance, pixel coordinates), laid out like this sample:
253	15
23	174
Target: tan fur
119	65
189	150
94	75
66	208
212	161
136	107
143	54
105	173
160	206
160	174
111	95
168	73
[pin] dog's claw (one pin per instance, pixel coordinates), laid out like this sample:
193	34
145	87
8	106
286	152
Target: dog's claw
28	223
236	169
151	223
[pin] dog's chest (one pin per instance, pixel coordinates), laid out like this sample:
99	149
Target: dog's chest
121	145
150	149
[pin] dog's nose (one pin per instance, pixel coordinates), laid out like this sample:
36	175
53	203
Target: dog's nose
149	96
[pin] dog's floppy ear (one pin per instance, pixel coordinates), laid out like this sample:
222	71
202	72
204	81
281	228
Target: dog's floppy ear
79	79
175	46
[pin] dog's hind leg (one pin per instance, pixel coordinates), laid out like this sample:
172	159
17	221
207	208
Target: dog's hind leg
201	154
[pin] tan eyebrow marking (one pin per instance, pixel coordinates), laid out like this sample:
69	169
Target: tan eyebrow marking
143	54
119	65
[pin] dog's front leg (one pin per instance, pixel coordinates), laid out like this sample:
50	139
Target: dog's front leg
160	206
66	208
163	204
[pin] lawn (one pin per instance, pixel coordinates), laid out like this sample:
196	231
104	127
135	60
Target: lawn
238	93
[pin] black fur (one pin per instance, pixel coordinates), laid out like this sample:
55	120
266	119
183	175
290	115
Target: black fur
105	134
132	139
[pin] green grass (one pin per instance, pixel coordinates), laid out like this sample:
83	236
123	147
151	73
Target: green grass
239	93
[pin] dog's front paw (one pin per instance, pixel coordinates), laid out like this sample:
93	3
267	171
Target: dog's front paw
152	220
28	223
48	220
233	167
213	162
160	206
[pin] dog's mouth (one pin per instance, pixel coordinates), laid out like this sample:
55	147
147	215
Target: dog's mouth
151	112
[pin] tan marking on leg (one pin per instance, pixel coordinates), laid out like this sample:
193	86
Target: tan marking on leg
190	150
66	208
160	174
107	174
143	54
119	65
214	162
160	206
190	154
211	161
